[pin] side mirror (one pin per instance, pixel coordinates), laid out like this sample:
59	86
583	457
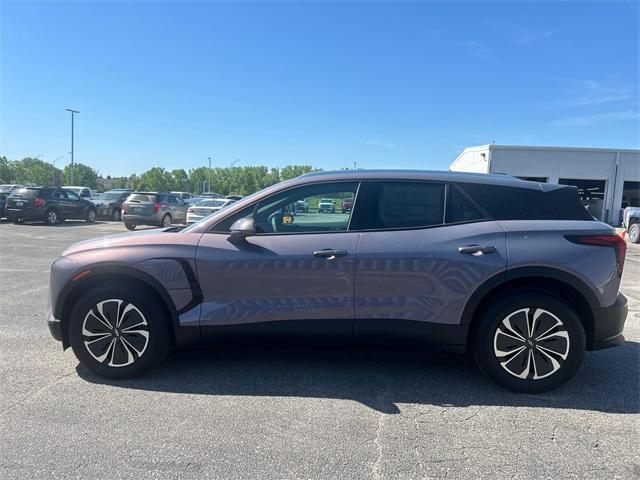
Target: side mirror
242	228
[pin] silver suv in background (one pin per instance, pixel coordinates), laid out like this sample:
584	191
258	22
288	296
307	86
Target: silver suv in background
515	273
153	208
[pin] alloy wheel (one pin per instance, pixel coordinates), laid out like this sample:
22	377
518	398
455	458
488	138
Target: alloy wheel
115	332
531	343
52	216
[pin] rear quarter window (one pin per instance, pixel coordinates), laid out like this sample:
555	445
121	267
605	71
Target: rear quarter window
514	203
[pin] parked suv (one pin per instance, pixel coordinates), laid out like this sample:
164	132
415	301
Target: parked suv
153	208
515	273
49	204
327	205
109	204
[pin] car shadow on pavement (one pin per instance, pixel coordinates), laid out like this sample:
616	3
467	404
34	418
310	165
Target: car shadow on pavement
608	381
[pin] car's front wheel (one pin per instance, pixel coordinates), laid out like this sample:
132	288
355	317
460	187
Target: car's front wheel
529	342
90	216
119	332
634	233
130	226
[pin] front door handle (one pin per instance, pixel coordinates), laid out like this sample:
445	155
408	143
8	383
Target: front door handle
476	250
330	254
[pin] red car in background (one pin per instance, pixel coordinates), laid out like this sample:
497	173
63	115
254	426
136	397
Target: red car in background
347	205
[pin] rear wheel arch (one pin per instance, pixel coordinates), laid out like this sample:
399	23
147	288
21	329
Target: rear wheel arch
117	275
562	285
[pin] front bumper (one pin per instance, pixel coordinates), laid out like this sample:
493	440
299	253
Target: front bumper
608	324
55	327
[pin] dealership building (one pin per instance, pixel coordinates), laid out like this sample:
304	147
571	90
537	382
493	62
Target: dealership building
608	179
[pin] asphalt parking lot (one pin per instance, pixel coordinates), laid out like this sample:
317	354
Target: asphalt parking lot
295	414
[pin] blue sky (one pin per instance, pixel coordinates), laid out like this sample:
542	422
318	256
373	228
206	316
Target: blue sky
327	83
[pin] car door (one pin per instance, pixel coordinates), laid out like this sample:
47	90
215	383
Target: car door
291	281
74	207
417	267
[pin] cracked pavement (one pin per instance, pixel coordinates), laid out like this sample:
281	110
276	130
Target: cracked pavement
295	414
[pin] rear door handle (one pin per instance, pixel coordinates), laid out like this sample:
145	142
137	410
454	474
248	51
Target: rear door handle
330	254
476	250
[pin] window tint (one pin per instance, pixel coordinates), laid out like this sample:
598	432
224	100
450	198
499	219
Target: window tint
460	208
403	205
514	203
26	192
171	199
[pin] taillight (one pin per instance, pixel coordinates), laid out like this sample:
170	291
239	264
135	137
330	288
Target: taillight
38	202
612	240
125	207
190	210
156	207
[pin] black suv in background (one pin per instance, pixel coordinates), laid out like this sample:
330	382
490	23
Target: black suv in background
50	204
109	204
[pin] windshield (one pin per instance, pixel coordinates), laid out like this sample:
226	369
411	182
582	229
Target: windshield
211	203
109	196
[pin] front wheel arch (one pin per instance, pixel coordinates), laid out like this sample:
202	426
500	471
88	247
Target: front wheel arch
102	276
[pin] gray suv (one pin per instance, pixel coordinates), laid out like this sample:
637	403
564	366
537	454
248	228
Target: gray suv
153	208
515	273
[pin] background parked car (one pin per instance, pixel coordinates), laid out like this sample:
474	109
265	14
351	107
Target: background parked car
631	221
153	208
347	205
206	207
109	204
326	205
49	204
5	191
302	206
187	197
82	192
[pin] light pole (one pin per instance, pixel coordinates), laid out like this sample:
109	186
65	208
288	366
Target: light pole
209	188
72	114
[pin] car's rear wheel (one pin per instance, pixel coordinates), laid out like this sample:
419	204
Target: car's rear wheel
116	216
166	221
51	217
130	226
119	332
529	342
634	233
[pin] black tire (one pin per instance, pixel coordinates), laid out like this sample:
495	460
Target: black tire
565	349
126	354
130	226
51	217
116	215
634	233
166	221
90	216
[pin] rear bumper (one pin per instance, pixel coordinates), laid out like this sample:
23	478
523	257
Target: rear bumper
608	325
26	213
142	219
55	327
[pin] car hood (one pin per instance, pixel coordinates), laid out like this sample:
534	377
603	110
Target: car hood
153	239
101	202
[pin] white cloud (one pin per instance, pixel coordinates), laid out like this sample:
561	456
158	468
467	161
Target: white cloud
479	50
588	92
596	119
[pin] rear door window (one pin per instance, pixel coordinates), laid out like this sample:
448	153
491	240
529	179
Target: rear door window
460	208
402	205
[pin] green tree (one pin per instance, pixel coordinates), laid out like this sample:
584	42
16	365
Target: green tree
120	182
180	180
35	172
156	179
82	175
6	170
